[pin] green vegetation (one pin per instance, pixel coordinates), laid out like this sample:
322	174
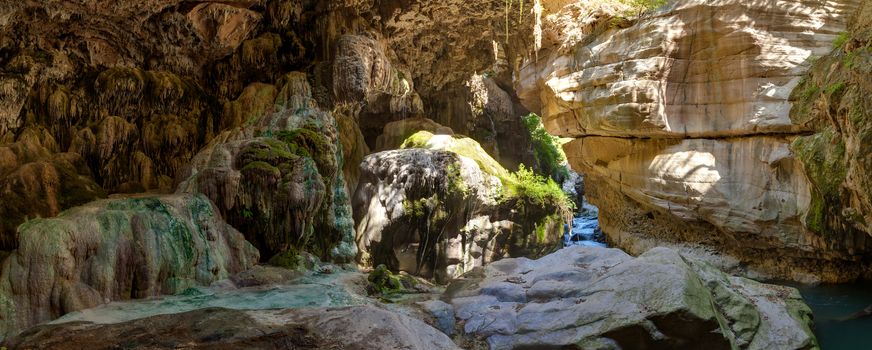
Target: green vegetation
535	189
383	282
420	207
824	157
524	184
308	142
641	6
840	40
835	88
547	148
289	259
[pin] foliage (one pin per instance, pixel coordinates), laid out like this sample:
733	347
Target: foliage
835	88
535	189
641	6
547	148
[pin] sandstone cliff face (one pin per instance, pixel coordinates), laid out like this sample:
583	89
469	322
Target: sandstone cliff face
683	125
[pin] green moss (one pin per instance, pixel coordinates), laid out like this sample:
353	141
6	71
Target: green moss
419	208
383	282
525	184
459	145
310	143
262	168
417	140
823	155
290	259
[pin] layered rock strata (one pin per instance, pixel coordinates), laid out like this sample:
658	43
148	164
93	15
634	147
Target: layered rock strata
683	118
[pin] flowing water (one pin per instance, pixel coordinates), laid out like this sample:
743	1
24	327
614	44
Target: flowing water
585	229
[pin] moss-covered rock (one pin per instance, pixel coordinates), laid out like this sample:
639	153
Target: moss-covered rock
117	249
833	102
277	178
384	282
442	206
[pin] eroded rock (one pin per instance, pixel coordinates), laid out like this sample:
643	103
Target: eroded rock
278	179
116	249
443	208
684	116
590	297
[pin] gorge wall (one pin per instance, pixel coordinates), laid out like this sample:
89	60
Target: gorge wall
685	127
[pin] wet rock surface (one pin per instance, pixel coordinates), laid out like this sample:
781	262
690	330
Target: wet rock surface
117	249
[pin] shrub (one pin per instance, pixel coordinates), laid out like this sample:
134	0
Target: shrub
546	148
536	189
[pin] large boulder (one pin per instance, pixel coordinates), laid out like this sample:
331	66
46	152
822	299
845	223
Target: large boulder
600	298
443	206
683	119
359	327
116	249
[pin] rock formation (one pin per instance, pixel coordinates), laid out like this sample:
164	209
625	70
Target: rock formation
443	206
362	327
278	176
599	298
683	127
116	249
831	100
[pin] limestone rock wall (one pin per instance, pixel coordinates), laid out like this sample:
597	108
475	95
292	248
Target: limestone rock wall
684	116
117	250
278	178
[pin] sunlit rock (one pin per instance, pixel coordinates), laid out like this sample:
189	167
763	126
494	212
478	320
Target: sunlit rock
591	297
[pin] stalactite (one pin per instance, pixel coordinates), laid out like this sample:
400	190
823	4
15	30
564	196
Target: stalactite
537	28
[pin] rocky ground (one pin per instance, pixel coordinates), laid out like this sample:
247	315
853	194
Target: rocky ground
581	297
173	173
